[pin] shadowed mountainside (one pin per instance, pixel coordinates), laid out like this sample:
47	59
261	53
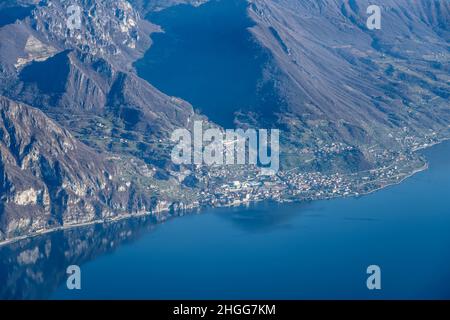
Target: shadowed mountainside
49	180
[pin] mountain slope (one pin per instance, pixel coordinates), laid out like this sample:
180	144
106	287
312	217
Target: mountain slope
48	179
346	99
87	73
343	82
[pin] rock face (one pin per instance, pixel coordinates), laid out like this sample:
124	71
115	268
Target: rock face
82	80
48	179
109	28
87	73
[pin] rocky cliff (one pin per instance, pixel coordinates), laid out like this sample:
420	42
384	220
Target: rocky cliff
49	180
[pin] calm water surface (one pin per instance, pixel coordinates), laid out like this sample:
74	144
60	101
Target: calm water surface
292	251
314	250
208	57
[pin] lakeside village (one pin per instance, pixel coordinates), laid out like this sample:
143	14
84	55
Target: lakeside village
235	185
222	186
238	185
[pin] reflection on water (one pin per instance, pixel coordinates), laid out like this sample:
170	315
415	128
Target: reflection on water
264	217
33	268
317	250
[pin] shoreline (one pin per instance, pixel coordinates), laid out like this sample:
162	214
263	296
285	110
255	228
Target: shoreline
75	226
150	214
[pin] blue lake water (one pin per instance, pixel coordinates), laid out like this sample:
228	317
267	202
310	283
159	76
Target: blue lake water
315	250
208	57
265	251
294	251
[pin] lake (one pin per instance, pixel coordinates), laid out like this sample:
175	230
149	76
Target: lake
265	251
208	57
317	250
